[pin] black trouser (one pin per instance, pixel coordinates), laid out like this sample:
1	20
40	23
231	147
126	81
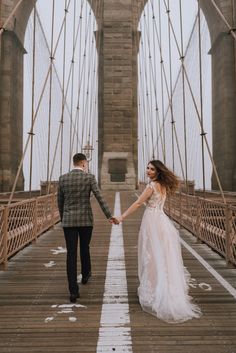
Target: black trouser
71	237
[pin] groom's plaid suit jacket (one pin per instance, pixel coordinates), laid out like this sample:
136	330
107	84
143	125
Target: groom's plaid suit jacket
74	199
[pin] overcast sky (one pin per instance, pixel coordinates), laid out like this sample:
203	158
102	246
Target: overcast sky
189	8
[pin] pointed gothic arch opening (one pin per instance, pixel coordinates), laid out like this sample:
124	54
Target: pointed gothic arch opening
223	92
64	69
171	89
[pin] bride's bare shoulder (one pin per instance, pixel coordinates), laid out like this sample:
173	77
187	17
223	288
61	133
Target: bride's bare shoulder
160	188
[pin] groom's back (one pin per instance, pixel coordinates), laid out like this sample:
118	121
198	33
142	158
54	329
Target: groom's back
74	193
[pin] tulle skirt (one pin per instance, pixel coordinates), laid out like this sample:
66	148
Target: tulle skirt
163	289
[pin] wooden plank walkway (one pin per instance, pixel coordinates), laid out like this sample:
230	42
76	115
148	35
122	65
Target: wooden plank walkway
35	316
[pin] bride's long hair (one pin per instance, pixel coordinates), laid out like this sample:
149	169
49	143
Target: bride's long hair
165	176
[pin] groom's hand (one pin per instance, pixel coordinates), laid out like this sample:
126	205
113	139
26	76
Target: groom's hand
113	220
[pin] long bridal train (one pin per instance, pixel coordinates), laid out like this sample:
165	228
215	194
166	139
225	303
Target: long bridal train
164	287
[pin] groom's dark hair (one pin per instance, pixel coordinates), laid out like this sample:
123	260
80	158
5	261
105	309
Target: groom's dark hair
78	157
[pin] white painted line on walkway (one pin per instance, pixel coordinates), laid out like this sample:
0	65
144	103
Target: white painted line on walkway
209	268
115	331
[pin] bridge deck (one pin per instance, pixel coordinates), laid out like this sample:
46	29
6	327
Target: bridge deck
33	297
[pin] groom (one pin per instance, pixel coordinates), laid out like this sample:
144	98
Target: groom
77	219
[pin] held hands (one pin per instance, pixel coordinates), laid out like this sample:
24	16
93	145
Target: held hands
115	220
119	219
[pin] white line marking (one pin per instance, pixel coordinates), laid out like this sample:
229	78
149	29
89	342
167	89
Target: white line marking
214	273
68	306
205	286
59	250
48	319
115	331
72	319
50	264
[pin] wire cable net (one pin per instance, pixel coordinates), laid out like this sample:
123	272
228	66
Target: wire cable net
61	61
169	108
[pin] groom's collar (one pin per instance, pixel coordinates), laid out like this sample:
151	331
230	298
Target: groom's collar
78	168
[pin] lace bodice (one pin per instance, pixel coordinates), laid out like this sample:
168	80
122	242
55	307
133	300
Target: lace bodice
157	200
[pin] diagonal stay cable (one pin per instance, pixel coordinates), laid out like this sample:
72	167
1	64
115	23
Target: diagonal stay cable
153	76
219	12
54	67
197	111
35	117
9	18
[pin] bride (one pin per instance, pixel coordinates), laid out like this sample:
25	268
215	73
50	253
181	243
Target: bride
163	288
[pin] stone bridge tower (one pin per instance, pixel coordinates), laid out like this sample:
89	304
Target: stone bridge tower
118	94
118	49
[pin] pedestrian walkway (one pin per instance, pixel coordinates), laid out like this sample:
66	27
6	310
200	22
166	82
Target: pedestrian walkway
36	316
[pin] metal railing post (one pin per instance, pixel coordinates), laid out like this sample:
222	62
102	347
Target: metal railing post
180	209
228	233
53	209
197	229
35	219
169	205
5	242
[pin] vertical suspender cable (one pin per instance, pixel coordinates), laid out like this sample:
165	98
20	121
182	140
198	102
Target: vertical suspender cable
201	99
194	100
143	104
93	90
87	112
72	85
183	96
32	102
148	94
155	84
80	79
96	44
233	27
140	115
150	81
87	20
35	116
75	121
154	77
92	86
63	101
50	90
65	96
171	88
162	84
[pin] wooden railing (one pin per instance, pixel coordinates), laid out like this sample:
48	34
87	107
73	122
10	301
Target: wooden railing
22	222
210	221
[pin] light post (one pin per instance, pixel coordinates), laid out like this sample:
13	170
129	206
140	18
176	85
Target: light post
88	150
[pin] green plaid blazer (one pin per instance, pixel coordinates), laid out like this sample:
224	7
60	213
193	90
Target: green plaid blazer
73	199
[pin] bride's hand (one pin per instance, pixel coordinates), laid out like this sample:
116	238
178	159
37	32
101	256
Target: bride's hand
119	219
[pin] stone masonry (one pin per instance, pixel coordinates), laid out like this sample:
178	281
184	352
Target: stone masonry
119	128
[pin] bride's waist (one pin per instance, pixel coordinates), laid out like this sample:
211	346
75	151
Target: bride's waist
154	208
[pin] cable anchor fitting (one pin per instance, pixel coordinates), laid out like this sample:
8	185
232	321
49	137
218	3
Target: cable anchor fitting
233	29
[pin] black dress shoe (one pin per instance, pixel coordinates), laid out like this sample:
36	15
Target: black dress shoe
73	297
86	278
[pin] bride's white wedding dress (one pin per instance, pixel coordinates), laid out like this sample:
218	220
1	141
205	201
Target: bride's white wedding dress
163	289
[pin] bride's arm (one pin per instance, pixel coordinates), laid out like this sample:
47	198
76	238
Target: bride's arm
142	198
